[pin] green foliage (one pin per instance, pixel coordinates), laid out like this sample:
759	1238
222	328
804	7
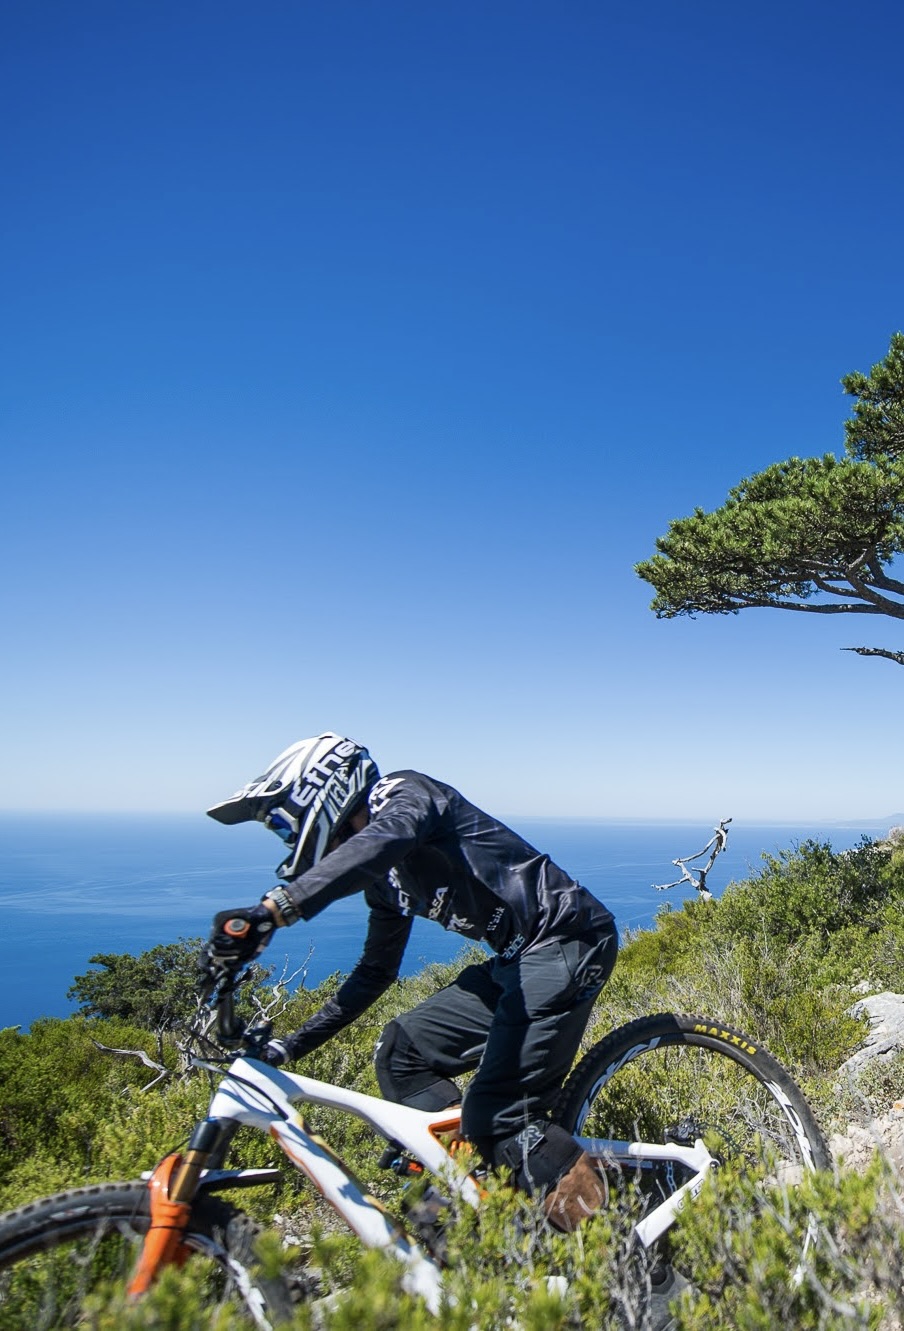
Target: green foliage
877	430
37	1298
810	890
837	913
777	956
808	1028
60	1099
498	1274
877	1086
154	990
815	534
180	1300
670	948
737	1240
157	990
779	535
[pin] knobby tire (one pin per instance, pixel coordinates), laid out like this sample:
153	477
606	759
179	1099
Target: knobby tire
55	1252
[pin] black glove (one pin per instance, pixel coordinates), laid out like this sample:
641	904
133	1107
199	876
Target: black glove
275	1053
288	1048
237	937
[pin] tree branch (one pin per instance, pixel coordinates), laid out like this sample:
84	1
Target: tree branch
897	657
857	584
162	1072
822	582
881	579
737	601
715	845
886	607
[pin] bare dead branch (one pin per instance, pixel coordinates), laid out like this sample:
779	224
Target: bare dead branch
281	993
715	845
162	1072
898	657
199	1035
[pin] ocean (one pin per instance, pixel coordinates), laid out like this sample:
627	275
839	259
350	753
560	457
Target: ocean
76	885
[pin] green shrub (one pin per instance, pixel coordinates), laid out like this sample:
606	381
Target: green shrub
60	1093
155	990
811	892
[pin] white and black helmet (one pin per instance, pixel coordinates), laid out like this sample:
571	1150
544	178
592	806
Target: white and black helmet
306	796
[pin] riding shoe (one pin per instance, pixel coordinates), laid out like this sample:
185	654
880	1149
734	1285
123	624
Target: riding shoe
578	1194
665	1285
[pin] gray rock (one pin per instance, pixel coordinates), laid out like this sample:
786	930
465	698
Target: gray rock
884	1132
859	1142
886	1035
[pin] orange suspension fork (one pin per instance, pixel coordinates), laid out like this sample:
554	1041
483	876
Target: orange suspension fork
173	1186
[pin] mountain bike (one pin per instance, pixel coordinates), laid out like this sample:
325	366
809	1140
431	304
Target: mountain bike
660	1103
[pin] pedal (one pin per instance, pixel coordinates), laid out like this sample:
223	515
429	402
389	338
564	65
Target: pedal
399	1162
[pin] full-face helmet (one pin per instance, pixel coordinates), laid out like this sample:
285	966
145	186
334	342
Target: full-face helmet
306	796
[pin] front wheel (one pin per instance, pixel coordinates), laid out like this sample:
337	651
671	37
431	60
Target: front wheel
59	1252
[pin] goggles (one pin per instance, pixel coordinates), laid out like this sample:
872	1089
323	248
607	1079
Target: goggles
279	824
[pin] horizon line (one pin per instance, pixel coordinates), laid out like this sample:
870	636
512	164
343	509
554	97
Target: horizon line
758	819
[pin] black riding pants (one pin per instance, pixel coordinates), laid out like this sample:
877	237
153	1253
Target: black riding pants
519	1023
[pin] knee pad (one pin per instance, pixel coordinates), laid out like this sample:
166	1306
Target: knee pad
404	1076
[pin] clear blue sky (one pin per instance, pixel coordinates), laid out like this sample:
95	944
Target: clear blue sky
356	352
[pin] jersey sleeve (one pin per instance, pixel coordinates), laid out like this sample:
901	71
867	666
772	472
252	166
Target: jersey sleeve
374	972
402	816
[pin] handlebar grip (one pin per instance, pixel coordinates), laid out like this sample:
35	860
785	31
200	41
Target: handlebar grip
237	927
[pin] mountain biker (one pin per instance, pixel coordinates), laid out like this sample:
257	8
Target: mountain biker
414	846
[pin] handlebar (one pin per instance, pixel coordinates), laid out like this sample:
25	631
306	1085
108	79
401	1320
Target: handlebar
232	1029
230	1026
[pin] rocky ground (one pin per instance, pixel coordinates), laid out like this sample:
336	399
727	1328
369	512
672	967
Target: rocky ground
883	1130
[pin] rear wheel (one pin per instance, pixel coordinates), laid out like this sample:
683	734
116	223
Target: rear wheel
677	1078
81	1245
673	1077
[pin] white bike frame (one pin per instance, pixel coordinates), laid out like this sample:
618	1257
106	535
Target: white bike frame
259	1096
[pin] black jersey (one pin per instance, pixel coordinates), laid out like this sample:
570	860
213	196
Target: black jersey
427	851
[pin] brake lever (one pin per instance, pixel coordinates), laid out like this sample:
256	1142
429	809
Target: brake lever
219	980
